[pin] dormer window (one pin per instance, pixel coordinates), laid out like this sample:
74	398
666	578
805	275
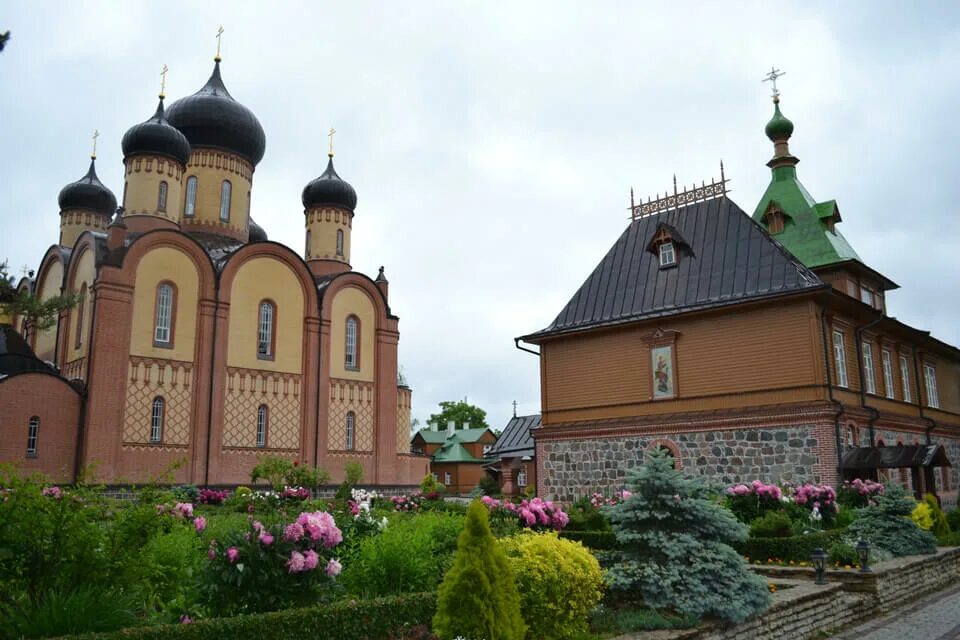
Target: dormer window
668	255
866	295
774	218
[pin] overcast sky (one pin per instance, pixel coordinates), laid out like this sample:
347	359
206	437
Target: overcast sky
493	145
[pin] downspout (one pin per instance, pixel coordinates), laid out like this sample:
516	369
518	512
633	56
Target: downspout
316	428
516	343
213	351
837	407
874	414
82	426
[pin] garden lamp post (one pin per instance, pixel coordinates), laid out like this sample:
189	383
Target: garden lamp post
863	550
819	560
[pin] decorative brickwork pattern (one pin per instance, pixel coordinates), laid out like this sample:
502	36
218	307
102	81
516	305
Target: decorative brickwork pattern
404	398
246	390
346	396
75	369
149	378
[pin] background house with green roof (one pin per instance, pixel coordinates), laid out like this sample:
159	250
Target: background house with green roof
456	455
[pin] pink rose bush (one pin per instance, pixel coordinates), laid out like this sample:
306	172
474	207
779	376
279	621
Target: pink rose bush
213	496
599	500
294	494
407	503
534	514
52	492
750	501
859	493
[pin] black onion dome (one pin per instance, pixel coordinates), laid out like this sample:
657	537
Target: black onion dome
329	189
88	193
212	118
256	232
156	135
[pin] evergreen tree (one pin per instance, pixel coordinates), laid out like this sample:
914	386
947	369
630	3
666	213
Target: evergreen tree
886	524
675	548
478	598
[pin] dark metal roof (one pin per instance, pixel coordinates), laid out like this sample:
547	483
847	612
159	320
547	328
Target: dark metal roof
88	193
911	455
218	247
516	439
329	189
156	135
16	356
731	259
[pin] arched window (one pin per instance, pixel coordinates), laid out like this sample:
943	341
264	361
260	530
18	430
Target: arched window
339	242
157	411
162	196
81	308
262	417
351	346
163	316
33	433
124	199
266	330
307	252
351	420
225	189
190	203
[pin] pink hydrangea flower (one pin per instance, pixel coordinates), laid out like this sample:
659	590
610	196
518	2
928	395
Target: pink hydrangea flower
333	568
265	539
233	554
296	563
310	560
199	523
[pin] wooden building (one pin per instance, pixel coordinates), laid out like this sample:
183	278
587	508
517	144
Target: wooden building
456	455
511	461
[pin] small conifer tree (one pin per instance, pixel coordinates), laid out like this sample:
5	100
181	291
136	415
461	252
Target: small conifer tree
887	525
478	598
675	548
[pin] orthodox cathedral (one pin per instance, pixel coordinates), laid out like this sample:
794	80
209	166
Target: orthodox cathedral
197	343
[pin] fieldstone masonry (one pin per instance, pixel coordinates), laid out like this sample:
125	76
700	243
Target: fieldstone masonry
573	468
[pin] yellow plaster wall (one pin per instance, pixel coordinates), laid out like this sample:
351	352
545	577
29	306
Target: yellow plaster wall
353	301
46	345
143	176
258	279
84	274
323	224
211	168
165	263
73	222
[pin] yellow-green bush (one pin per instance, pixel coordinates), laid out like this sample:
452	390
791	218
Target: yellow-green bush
559	581
922	515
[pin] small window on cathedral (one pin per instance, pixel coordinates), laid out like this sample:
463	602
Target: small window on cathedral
33	434
339	242
309	235
81	308
190	203
225	190
262	416
266	330
351	348
157	411
162	197
668	255
351	425
163	316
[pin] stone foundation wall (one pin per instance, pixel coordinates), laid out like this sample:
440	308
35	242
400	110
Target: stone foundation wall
573	468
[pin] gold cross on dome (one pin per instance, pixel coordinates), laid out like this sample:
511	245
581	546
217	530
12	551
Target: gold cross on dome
772	79
219	33
163	79
96	134
330	135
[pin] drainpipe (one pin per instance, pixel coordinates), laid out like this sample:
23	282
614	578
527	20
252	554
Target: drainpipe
213	351
874	414
837	407
516	343
82	425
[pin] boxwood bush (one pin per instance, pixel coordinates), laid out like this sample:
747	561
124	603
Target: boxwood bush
592	539
790	548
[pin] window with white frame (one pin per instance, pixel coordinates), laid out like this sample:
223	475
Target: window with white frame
225	190
668	255
162	326
866	295
840	359
162	196
905	379
190	202
351	420
522	476
33	434
447	478
887	373
350	359
157	411
262	416
930	378
265	327
868	378
486	448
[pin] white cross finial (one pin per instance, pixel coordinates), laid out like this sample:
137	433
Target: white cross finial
219	33
330	135
96	134
24	270
163	79
772	79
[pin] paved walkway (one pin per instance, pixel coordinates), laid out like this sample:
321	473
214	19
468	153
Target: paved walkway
936	617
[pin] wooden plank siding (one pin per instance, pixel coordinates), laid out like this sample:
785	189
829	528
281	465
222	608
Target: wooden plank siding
745	357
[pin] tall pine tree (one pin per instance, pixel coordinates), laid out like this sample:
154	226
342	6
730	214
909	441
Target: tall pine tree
675	548
478	598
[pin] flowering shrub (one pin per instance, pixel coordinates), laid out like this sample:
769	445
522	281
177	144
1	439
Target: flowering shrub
858	493
212	496
407	503
599	500
294	494
750	501
923	516
536	514
883	525
821	500
269	568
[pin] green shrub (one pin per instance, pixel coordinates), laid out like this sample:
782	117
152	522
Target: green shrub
409	555
887	525
772	524
796	548
844	554
630	619
585	516
592	539
675	547
165	574
56	613
345	620
940	526
922	516
953	519
478	597
488	486
281	472
559	582
951	539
